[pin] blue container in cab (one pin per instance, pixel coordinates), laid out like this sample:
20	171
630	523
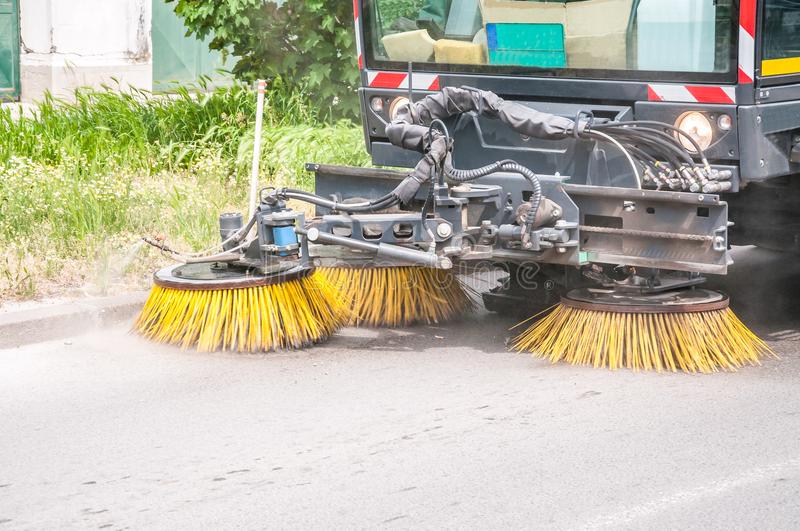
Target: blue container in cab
538	45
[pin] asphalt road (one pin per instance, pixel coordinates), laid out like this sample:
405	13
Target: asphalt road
429	427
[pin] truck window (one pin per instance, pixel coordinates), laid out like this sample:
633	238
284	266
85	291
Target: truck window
781	42
623	39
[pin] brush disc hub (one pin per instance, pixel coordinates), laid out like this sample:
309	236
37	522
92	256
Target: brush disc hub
618	301
210	276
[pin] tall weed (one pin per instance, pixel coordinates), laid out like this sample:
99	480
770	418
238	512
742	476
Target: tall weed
81	176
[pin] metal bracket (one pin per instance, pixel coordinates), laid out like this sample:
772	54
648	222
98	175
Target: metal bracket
669	230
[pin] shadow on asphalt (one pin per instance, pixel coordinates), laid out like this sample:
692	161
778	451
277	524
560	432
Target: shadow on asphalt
483	331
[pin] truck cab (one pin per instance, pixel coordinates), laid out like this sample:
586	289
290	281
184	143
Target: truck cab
725	72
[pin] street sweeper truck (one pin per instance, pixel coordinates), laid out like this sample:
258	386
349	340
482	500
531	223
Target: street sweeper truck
605	153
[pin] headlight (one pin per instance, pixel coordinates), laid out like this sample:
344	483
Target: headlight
698	127
376	103
725	122
395	106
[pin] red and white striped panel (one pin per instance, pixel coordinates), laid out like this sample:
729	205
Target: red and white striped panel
747	41
399	80
691	93
359	49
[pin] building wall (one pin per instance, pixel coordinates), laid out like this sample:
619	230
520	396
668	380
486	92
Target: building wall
67	44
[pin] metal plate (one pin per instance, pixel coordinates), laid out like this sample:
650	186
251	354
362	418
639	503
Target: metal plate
619	301
205	276
662	229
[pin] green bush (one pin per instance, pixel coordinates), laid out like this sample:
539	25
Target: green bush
311	44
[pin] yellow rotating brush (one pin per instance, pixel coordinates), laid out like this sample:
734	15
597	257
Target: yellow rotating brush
400	296
691	330
195	306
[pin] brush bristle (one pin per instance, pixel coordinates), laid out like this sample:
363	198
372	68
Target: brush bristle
400	296
290	314
691	342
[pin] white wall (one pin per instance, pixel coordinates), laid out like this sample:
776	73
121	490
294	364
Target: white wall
71	43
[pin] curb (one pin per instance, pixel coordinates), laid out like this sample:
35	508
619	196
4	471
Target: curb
68	319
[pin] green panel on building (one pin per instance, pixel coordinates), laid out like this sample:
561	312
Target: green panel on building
9	49
176	57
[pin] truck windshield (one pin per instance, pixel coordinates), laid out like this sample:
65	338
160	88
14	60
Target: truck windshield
648	40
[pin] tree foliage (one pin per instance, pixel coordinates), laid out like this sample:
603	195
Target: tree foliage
309	44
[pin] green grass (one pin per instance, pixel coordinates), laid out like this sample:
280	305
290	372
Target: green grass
81	180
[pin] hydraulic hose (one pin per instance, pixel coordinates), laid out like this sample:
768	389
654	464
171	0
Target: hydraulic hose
462	176
625	152
669	157
667	140
650	137
677	130
643	156
412	128
381	203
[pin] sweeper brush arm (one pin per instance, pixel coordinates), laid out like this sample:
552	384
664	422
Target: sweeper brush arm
383	246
